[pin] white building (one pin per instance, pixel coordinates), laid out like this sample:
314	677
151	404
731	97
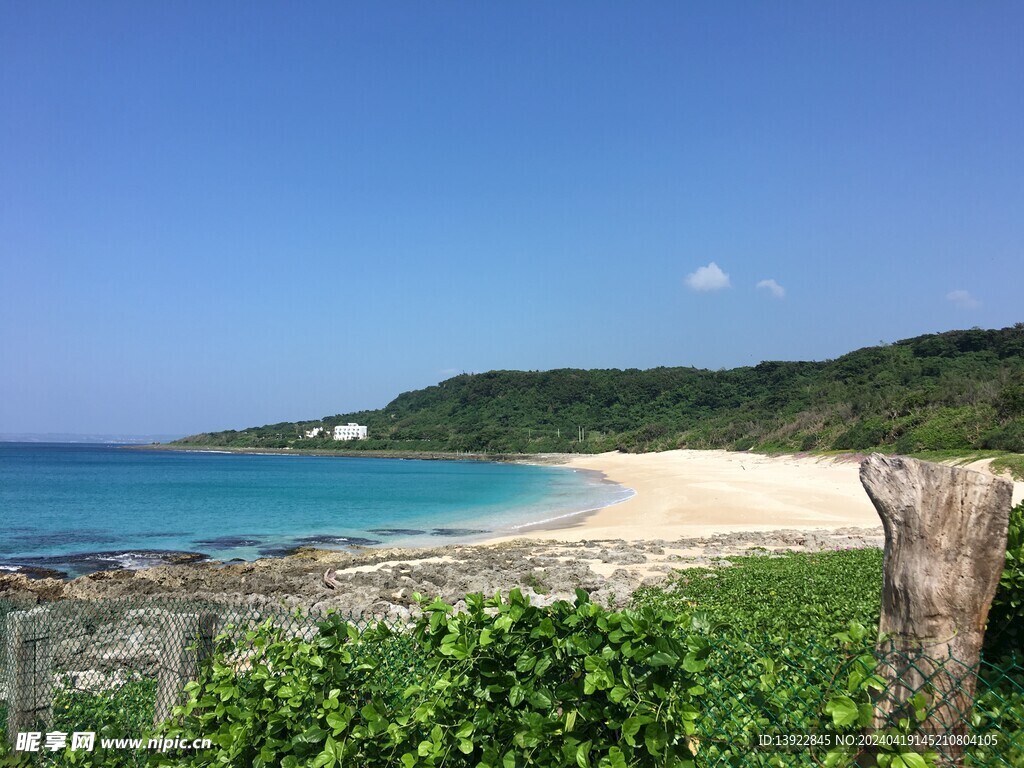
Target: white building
350	431
314	431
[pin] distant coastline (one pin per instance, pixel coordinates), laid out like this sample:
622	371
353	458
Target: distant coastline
550	459
87	438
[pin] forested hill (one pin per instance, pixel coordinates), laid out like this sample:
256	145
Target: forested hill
954	390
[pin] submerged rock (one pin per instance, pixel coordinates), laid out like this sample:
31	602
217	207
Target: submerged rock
457	532
231	542
338	541
397	531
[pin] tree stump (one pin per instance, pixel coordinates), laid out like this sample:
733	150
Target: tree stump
945	542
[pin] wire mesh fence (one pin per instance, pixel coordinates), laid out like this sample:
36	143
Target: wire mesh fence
97	673
776	704
113	669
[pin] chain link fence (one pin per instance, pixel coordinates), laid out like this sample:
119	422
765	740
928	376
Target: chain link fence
766	704
115	668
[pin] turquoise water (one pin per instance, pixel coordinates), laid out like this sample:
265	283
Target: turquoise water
81	508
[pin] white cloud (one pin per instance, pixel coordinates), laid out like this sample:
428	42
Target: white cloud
776	290
963	299
709	278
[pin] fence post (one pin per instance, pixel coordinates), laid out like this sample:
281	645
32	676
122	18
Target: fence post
28	649
189	644
176	664
209	625
945	541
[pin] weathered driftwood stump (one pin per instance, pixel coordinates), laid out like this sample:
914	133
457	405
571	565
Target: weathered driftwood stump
945	541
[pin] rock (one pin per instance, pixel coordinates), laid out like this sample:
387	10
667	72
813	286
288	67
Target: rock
301	579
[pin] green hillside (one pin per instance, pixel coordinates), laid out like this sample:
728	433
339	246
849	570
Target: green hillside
955	391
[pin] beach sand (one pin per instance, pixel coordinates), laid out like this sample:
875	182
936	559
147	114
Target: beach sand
686	494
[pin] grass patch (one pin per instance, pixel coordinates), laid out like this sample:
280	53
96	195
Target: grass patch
1002	461
1010	462
785	598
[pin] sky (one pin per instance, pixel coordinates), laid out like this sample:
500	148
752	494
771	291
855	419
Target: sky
223	215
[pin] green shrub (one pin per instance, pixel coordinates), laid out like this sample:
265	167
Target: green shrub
504	684
866	434
1008	437
948	429
784	599
119	712
999	708
810	442
775	669
1005	632
1009	403
126	709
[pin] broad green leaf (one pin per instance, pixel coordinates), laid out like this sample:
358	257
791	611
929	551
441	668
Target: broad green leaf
618	693
516	695
631	726
583	755
616	759
843	709
663	659
539	700
570	720
655	739
911	760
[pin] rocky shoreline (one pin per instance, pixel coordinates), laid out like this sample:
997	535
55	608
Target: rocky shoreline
381	582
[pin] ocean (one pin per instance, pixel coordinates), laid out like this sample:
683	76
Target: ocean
79	508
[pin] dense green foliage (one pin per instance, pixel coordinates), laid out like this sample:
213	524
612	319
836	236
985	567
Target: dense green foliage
780	613
504	684
697	669
954	391
778	666
765	646
116	713
1005	632
783	600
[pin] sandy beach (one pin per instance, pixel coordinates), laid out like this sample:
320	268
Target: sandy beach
687	494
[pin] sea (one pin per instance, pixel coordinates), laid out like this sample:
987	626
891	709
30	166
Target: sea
80	508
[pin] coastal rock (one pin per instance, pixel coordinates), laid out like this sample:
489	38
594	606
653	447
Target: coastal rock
382	581
19	589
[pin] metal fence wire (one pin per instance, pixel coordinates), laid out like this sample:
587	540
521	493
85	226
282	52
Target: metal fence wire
114	668
764	704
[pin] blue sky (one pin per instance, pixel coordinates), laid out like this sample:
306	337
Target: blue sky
220	215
